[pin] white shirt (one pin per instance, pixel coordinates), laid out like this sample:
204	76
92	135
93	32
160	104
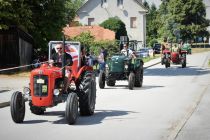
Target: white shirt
124	51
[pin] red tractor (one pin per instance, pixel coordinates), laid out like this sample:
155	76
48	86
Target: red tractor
47	88
178	57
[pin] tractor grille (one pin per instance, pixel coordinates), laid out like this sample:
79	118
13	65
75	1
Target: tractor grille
40	85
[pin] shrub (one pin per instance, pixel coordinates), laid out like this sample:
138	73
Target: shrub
115	25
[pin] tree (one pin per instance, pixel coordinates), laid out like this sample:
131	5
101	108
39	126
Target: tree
43	19
182	19
49	17
115	25
15	13
152	26
190	17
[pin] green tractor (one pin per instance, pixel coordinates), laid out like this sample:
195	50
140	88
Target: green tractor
122	67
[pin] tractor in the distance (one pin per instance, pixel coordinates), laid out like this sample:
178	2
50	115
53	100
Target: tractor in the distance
177	56
47	88
122	67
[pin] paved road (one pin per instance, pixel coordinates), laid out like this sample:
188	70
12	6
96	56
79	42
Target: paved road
164	108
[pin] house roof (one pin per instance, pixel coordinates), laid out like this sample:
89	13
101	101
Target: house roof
137	1
98	32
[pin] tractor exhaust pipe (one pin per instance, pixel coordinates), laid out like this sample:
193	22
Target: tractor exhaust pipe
63	58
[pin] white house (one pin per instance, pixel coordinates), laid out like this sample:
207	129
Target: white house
131	12
207	4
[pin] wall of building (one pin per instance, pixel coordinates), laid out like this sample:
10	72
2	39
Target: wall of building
130	8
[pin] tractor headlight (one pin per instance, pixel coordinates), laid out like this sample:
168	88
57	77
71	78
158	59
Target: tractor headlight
26	90
126	66
56	92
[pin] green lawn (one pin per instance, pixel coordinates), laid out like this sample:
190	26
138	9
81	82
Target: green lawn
150	58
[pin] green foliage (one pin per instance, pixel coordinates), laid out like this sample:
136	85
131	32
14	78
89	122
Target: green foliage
85	39
115	25
94	46
182	19
110	46
15	13
152	24
43	19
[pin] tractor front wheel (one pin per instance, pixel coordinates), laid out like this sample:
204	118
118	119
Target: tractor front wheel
131	81
139	77
101	79
71	108
17	107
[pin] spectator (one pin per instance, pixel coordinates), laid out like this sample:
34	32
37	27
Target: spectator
101	59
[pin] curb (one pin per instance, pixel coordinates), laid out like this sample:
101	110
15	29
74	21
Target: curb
152	65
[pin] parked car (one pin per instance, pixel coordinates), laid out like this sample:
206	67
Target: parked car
143	52
157	48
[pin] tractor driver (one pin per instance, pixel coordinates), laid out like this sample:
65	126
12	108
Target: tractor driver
127	52
164	45
57	60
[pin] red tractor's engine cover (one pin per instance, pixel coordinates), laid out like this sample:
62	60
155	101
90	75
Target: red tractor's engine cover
175	57
42	82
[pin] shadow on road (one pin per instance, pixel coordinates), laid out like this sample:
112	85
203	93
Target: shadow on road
34	121
102	115
176	71
144	87
98	117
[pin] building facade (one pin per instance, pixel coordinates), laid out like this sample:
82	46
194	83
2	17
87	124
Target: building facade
131	12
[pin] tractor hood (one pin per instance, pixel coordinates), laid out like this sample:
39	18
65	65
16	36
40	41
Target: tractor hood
117	63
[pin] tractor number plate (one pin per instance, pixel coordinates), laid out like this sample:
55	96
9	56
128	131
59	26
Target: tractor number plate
40	81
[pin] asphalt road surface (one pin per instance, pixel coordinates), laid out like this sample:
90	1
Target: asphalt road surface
167	107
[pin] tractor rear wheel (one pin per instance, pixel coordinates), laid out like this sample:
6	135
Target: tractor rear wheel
17	107
36	110
101	79
131	81
71	108
87	96
139	77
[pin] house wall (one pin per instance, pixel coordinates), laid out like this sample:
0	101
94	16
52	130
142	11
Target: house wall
207	4
93	9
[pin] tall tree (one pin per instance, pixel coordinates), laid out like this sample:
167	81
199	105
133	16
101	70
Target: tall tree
15	13
151	28
189	16
49	17
184	19
43	19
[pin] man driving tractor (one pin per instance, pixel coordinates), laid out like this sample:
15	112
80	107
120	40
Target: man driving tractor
57	61
127	52
164	45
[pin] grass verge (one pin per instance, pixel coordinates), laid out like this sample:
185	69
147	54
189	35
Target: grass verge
150	58
199	50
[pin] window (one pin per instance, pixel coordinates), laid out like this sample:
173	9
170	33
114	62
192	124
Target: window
103	3
133	22
119	2
90	21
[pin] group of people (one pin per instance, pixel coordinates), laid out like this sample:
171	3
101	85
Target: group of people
174	48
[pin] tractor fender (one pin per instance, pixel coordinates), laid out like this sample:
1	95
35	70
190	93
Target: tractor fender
82	69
